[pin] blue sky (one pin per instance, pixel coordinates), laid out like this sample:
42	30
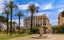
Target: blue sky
50	7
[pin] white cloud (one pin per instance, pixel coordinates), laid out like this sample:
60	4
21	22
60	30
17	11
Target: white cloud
60	6
54	22
46	6
42	7
23	6
36	4
60	10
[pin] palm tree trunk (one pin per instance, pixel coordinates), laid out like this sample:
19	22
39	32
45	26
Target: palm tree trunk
7	23
19	24
11	23
31	23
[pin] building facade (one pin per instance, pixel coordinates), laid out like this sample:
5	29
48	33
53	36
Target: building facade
60	19
2	26
37	20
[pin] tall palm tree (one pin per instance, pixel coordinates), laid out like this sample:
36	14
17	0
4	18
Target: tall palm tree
32	8
10	5
7	12
19	14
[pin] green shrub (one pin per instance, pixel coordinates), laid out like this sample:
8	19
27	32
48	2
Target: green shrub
55	29
23	31
44	29
62	28
35	29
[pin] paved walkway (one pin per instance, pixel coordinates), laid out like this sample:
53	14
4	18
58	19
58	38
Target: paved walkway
36	37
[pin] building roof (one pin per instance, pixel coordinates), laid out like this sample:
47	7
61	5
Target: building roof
38	17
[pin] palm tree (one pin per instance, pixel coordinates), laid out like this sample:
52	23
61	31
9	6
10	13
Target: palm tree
3	19
32	9
7	12
19	14
10	5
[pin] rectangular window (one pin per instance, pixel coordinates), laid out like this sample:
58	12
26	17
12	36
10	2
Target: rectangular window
44	24
44	18
44	21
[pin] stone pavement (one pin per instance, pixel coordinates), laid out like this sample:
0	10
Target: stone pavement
36	37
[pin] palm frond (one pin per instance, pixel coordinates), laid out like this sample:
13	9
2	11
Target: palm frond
19	14
6	11
32	8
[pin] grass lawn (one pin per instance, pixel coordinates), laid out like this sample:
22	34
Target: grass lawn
7	36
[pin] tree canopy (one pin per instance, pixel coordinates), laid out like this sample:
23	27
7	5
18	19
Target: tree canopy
3	19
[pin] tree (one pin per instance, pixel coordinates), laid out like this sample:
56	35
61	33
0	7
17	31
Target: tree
10	5
44	29
32	8
35	29
55	29
62	28
7	12
3	19
19	14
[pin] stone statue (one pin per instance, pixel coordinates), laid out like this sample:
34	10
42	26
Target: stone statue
40	31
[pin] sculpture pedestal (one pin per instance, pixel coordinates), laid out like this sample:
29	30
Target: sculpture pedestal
40	35
40	32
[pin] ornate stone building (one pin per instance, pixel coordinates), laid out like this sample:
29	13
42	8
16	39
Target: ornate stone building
37	20
60	19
